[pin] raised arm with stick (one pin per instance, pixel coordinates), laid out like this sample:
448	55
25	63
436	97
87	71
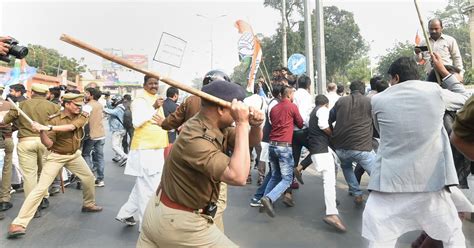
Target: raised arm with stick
425	34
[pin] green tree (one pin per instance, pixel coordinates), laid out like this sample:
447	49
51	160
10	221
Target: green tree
52	63
400	50
358	70
343	41
294	9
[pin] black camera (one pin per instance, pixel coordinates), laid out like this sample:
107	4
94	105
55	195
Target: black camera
15	50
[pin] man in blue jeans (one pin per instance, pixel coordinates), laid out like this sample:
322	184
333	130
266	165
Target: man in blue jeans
352	135
284	116
93	146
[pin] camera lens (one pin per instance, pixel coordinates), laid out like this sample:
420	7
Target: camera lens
18	51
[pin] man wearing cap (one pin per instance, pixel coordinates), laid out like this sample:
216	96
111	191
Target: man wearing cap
30	150
63	138
6	132
182	212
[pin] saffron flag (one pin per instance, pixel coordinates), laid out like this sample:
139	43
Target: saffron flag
250	52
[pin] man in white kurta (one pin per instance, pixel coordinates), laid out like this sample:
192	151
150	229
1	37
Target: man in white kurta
146	157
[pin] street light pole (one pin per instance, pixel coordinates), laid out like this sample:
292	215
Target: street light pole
211	19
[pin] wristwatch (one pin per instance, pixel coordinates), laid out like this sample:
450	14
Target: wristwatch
50	128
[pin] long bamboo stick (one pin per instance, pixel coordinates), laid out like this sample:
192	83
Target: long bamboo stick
80	44
438	78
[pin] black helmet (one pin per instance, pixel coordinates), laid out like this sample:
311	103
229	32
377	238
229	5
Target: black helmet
116	100
215	75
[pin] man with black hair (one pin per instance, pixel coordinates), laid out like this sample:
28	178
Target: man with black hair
94	140
62	137
6	142
170	106
373	85
116	113
17	92
352	135
442	44
146	157
284	116
30	149
414	163
318	139
302	100
127	123
54	95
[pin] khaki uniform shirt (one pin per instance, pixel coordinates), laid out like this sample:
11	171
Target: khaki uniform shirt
463	126
67	142
192	171
37	108
184	112
6	130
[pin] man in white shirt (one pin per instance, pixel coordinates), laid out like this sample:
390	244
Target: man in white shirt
302	100
332	94
442	44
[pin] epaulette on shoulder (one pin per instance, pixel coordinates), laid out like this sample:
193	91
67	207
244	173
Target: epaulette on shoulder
54	115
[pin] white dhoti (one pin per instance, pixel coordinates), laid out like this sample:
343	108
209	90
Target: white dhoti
147	167
387	216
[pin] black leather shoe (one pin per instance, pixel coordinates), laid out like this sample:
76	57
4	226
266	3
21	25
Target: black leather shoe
44	203
267	205
4	206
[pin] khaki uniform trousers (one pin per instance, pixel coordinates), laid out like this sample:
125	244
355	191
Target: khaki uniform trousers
221	206
31	157
7	171
53	164
167	227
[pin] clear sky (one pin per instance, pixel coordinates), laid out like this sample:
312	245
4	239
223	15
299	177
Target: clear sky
136	27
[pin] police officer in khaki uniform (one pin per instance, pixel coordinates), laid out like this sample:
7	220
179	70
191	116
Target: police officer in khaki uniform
6	132
63	138
189	108
182	213
30	150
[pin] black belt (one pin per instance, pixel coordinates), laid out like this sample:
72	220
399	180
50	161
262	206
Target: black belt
276	143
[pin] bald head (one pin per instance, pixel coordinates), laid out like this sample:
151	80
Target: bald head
331	87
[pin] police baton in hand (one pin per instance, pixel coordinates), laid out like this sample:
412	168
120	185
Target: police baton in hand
128	64
20	111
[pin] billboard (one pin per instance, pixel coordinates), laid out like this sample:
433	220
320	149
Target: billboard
138	59
108	65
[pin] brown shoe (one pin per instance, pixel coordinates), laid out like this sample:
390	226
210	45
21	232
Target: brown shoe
15	231
91	208
335	221
359	199
288	201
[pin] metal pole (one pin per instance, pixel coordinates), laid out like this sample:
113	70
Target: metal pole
284	55
320	48
308	44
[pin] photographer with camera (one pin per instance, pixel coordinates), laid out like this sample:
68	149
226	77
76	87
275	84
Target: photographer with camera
9	46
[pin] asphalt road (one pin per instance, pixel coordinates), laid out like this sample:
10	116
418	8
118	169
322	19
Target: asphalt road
63	224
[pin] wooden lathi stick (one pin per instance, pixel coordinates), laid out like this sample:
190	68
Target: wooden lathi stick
427	39
123	62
